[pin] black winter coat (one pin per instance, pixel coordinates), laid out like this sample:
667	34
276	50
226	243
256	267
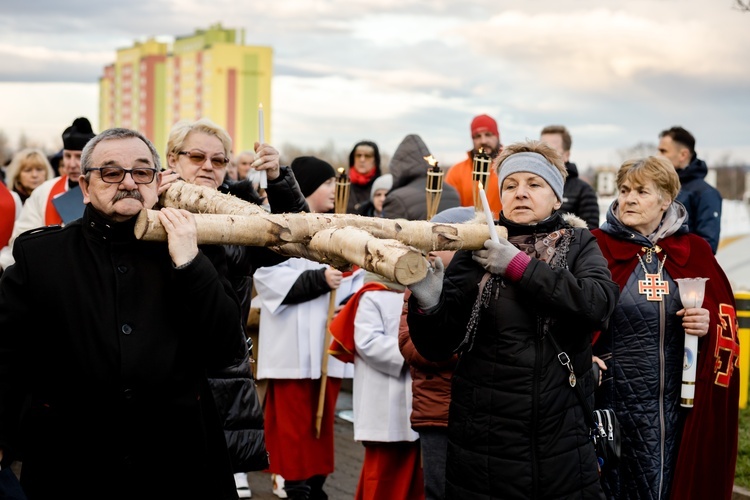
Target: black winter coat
703	202
233	387
109	344
579	198
516	429
644	351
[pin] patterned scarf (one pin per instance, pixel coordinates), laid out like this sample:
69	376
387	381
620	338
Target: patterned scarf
551	248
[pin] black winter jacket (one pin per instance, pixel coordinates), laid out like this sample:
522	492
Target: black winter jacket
703	202
643	348
233	386
579	198
516	429
114	365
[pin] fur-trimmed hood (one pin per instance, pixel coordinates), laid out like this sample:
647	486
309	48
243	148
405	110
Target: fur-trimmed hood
574	220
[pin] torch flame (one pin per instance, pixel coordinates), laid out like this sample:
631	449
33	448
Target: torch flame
432	161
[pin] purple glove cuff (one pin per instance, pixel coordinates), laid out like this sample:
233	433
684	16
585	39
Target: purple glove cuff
517	266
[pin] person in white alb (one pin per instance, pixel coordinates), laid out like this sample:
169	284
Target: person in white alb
293	298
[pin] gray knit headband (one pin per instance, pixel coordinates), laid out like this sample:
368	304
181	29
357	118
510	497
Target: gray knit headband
536	164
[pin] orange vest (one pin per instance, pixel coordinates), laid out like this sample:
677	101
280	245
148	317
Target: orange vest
460	177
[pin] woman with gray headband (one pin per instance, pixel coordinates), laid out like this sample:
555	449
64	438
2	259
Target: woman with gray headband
516	428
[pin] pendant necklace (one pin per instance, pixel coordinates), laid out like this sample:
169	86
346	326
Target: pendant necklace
652	286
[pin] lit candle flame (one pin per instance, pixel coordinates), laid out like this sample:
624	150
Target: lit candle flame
480	186
432	161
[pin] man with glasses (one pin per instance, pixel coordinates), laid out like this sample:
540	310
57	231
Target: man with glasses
113	374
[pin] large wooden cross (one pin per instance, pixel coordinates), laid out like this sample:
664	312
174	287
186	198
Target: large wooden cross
393	248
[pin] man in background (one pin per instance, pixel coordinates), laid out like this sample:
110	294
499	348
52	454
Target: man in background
702	201
484	136
579	198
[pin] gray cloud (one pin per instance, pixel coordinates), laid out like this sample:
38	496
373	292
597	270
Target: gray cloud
615	74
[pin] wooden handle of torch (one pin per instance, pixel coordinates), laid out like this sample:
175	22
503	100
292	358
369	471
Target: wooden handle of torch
324	365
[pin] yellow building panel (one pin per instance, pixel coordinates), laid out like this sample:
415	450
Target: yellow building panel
210	73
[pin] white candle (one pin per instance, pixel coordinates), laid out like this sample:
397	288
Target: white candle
689	364
692	291
261	140
488	214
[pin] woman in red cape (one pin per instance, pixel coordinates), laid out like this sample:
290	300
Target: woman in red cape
668	450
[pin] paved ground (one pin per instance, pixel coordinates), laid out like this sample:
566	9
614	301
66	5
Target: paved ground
340	485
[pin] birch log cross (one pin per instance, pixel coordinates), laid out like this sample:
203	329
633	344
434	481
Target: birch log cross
393	248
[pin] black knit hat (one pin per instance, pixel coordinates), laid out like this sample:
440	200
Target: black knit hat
311	173
77	135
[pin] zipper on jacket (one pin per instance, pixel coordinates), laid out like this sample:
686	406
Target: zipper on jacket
662	328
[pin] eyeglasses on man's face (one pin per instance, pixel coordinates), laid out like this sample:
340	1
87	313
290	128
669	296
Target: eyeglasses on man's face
199	158
115	175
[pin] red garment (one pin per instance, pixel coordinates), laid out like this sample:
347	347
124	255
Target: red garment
342	327
391	471
8	211
430	380
460	177
51	217
708	449
290	407
361	179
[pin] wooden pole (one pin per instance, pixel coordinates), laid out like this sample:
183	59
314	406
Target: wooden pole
340	204
276	230
324	365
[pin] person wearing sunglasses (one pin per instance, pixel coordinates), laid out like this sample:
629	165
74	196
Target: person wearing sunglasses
112	375
198	153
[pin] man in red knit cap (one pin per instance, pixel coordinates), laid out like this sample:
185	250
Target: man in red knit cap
485	136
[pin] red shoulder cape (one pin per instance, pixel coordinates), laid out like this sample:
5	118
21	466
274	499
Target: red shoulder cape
708	448
342	326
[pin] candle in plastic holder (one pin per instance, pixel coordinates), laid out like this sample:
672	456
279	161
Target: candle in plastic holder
692	291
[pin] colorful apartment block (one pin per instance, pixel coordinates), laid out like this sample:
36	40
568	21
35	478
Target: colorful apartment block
210	74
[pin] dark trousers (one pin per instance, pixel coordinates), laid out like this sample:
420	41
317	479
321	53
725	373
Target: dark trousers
434	453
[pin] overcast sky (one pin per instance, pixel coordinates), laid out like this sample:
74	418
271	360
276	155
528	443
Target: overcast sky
616	73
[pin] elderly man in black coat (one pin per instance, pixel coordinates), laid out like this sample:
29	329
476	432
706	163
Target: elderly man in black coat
105	341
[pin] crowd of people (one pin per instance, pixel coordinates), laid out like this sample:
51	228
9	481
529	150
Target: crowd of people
464	384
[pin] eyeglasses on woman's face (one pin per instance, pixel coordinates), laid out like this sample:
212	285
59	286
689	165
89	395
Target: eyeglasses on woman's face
199	158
